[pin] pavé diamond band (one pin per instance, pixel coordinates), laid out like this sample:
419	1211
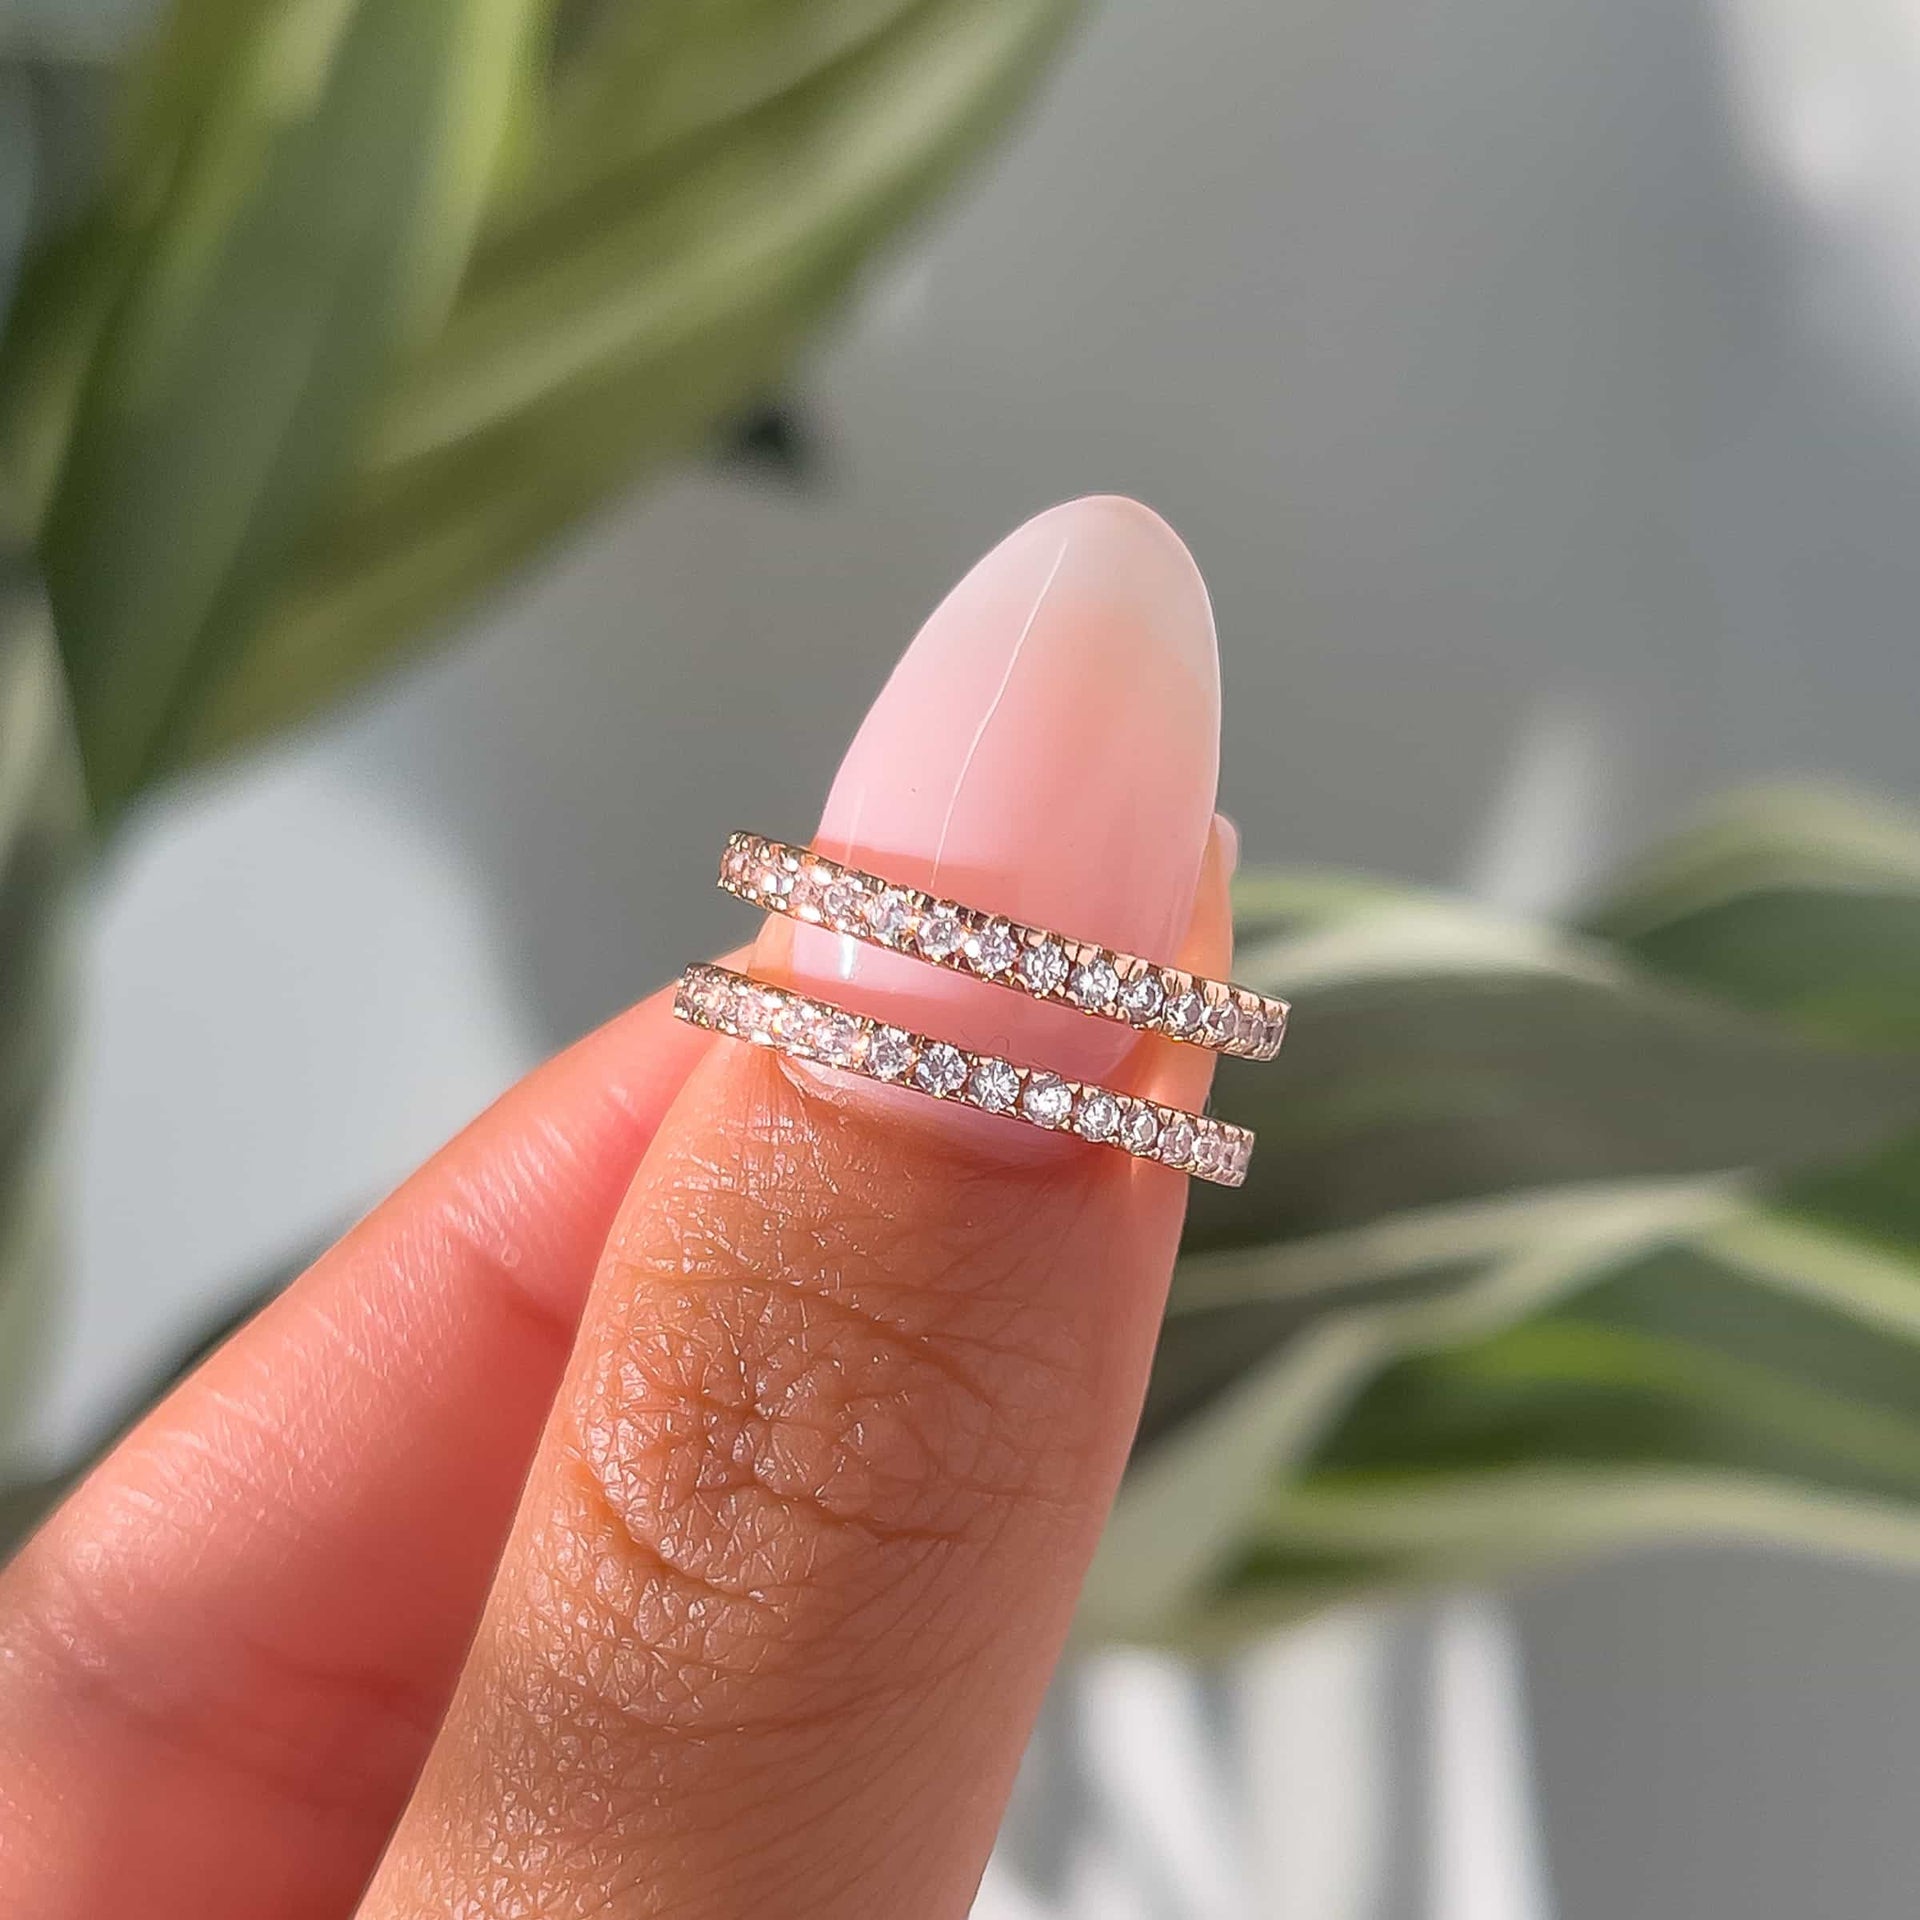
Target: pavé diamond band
731	1003
1043	965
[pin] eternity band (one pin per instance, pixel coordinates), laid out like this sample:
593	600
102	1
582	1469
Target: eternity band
731	1003
1046	966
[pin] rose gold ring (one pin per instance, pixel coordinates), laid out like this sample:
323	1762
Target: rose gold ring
1043	965
731	1003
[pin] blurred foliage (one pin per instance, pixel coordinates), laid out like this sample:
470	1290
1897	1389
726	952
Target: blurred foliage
325	314
42	821
1556	1240
371	301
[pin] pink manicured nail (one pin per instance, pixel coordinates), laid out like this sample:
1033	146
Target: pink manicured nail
1223	825
1047	748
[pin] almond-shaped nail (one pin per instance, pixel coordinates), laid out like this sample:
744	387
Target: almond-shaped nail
1048	749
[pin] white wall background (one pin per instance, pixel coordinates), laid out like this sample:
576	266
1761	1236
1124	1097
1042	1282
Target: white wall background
1537	383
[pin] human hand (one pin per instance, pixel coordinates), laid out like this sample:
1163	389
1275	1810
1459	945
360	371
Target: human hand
572	1540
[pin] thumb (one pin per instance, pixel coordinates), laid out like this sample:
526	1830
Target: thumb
860	1370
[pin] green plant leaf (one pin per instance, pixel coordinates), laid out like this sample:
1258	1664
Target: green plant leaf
1543	1254
265	447
1796	901
1440	1054
294	211
638	284
42	830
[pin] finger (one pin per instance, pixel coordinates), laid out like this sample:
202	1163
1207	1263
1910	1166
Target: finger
222	1660
859	1371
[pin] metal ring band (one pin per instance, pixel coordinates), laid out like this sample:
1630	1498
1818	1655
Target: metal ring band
731	1003
1044	966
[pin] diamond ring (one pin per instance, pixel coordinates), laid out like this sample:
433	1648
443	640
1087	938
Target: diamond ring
1043	965
731	1003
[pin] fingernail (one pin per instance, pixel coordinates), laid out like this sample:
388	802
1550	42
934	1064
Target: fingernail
1228	834
1046	749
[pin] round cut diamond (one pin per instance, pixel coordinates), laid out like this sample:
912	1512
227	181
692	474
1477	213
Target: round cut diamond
1044	967
787	1020
1142	999
1206	1151
890	915
1095	983
890	1054
1185	1011
993	949
1176	1141
942	1069
772	877
805	898
1099	1115
757	1012
994	1084
942	934
843	901
1223	1022
1047	1101
840	1039
1140	1129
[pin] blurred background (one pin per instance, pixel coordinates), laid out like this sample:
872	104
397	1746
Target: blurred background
1539	388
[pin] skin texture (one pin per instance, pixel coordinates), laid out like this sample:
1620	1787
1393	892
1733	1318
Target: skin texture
576	1540
849	1405
823	1465
223	1660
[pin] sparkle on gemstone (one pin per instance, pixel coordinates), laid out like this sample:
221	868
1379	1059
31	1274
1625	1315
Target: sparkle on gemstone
1185	1011
889	1054
1044	967
1094	982
840	1039
942	1069
942	934
1140	1129
1222	1021
1098	1116
1047	1101
1206	1151
1142	999
790	1020
759	1012
843	900
1176	1141
993	949
773	879
890	915
805	898
994	1084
